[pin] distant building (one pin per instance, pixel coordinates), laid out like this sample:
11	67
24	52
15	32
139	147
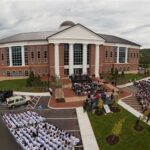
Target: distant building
72	49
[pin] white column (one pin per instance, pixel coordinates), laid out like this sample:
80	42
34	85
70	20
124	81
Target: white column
56	55
71	59
10	57
97	61
22	55
84	59
117	55
126	55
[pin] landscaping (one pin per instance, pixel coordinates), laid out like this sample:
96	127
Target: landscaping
31	84
124	78
104	127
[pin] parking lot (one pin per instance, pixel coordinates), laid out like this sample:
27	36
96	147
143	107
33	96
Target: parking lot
64	118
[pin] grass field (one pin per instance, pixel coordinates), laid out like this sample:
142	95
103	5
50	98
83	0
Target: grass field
19	85
127	77
129	139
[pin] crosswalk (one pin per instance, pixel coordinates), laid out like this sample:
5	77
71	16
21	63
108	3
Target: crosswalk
34	101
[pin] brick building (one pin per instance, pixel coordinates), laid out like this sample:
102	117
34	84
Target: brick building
72	49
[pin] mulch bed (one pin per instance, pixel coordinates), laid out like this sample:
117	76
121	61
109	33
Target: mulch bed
138	127
115	109
112	139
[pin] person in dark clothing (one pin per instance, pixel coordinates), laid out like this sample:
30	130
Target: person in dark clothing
148	117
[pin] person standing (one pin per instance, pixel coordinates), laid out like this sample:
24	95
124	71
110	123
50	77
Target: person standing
148	117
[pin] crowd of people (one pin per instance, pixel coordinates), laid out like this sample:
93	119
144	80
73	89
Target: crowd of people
37	134
97	95
17	120
143	93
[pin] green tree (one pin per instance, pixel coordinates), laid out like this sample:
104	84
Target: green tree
117	129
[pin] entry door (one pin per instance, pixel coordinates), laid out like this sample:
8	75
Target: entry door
77	71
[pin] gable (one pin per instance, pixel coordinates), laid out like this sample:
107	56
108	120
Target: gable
77	32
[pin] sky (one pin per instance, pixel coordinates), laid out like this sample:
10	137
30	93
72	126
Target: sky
129	19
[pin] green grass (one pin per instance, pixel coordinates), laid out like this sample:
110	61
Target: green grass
129	139
125	79
19	85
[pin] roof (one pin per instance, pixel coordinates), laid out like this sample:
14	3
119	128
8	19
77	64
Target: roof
30	36
115	39
67	23
38	36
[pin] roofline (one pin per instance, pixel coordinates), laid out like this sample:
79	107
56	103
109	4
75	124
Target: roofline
72	27
24	41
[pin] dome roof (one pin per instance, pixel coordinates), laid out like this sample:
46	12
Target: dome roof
67	23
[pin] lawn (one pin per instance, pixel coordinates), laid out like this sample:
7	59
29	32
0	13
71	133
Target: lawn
129	139
19	85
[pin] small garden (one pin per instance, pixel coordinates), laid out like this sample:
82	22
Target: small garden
119	78
120	131
31	84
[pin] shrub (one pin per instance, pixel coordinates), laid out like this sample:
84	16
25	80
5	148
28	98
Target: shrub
117	129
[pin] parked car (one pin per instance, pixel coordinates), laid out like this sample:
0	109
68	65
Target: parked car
15	101
4	95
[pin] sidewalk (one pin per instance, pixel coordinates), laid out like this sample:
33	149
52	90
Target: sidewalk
32	94
131	83
87	134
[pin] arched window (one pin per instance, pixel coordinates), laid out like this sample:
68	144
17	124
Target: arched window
20	73
8	73
26	73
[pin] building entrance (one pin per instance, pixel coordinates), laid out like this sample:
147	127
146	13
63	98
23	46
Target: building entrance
77	71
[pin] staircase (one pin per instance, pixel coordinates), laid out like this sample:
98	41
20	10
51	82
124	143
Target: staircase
132	101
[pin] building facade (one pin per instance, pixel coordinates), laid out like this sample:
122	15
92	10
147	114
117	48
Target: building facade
73	49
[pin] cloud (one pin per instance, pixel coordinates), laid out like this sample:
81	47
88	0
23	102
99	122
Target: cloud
124	18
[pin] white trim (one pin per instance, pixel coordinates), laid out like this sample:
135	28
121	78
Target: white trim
117	55
24	43
126	55
56	55
84	59
10	57
75	66
22	56
121	45
71	59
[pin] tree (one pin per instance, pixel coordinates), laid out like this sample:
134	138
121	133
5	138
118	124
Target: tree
117	129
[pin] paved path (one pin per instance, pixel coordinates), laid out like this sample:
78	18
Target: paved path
132	101
87	134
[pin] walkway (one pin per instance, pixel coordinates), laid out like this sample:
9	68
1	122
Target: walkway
87	134
132	101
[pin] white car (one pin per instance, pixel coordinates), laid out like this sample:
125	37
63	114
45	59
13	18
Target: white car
14	101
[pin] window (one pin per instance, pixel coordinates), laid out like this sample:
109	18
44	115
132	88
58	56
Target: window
32	55
16	56
122	54
66	72
131	55
45	55
46	71
111	53
20	73
26	73
78	54
7	56
26	55
106	54
88	54
8	73
137	55
39	55
66	54
2	56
